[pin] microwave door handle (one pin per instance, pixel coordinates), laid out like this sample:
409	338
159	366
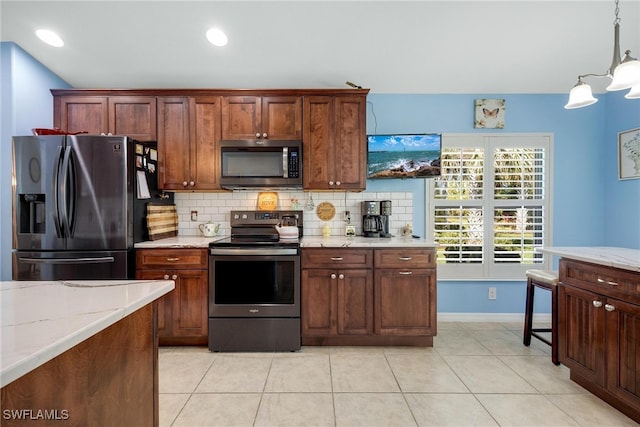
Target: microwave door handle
285	162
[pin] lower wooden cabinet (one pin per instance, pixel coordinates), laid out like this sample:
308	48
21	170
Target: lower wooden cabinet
368	296
599	331
182	313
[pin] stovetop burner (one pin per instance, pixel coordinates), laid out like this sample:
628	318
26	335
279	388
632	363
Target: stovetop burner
257	228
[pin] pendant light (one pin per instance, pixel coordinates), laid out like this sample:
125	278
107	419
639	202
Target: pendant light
625	74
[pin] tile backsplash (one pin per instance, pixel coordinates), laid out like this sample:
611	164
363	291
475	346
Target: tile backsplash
216	206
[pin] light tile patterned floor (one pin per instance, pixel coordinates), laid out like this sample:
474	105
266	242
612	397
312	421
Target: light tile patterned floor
476	374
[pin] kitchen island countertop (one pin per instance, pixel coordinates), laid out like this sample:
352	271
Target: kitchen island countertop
623	258
41	320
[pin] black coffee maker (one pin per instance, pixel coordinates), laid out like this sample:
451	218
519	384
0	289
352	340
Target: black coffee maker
385	213
372	224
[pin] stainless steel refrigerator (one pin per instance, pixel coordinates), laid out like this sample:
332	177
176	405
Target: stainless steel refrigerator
76	206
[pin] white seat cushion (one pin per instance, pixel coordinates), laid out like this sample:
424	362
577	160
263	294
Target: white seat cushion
545	276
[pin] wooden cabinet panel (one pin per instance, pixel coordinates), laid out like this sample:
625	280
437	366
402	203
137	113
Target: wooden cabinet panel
83	114
337	258
255	117
405	302
355	302
182	313
319	303
188	136
334	139
133	116
623	351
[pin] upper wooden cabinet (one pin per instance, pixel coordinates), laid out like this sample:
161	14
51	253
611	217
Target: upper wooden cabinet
188	136
262	117
133	116
334	140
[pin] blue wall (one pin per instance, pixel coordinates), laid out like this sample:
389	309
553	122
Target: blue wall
26	104
590	206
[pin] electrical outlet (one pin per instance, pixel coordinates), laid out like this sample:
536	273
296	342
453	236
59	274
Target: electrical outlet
194	215
493	293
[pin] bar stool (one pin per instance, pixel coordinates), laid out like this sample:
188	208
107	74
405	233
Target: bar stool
548	280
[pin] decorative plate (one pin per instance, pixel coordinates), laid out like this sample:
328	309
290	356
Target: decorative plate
326	211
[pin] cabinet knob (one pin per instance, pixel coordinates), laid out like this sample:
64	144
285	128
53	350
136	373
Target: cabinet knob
597	304
166	277
341	276
333	275
174	277
337	182
257	134
185	183
192	183
264	135
330	182
609	307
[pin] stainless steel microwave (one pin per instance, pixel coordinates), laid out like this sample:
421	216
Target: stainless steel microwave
260	163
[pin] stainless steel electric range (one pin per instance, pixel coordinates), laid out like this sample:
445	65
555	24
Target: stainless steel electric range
254	285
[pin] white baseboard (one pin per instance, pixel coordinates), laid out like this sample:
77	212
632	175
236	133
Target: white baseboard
492	317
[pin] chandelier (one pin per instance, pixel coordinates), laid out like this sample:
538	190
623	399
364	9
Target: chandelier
625	74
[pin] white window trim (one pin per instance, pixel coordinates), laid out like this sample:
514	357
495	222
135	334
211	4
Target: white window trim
503	272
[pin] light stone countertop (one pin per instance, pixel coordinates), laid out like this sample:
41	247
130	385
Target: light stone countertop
623	258
305	242
41	320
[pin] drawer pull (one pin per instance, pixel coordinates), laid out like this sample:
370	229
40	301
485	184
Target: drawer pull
609	307
405	258
597	304
336	258
607	282
173	259
406	273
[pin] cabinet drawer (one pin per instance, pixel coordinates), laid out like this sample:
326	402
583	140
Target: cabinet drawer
604	280
171	258
337	258
405	258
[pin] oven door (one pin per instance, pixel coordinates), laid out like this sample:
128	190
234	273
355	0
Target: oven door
249	285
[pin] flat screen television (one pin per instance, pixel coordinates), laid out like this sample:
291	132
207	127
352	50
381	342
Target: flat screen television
403	155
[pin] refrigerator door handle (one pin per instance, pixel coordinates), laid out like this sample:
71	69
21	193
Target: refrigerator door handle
67	192
56	194
86	260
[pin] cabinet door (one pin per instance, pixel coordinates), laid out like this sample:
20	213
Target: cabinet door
623	351
319	299
190	315
173	144
318	142
133	116
282	117
165	303
350	140
241	117
405	302
581	329
83	114
355	302
204	136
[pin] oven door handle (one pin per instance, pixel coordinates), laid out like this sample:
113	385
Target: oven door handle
253	251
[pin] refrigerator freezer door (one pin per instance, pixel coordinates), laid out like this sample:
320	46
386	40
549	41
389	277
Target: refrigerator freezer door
36	221
98	195
88	265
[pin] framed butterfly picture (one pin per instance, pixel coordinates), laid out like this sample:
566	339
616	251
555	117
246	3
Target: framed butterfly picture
489	113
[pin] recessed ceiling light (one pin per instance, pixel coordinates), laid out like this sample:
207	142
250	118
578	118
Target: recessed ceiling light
49	37
217	37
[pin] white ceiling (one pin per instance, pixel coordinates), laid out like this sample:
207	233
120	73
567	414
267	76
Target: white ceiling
424	46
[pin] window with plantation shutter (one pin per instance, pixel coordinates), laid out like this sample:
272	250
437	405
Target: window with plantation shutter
490	208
